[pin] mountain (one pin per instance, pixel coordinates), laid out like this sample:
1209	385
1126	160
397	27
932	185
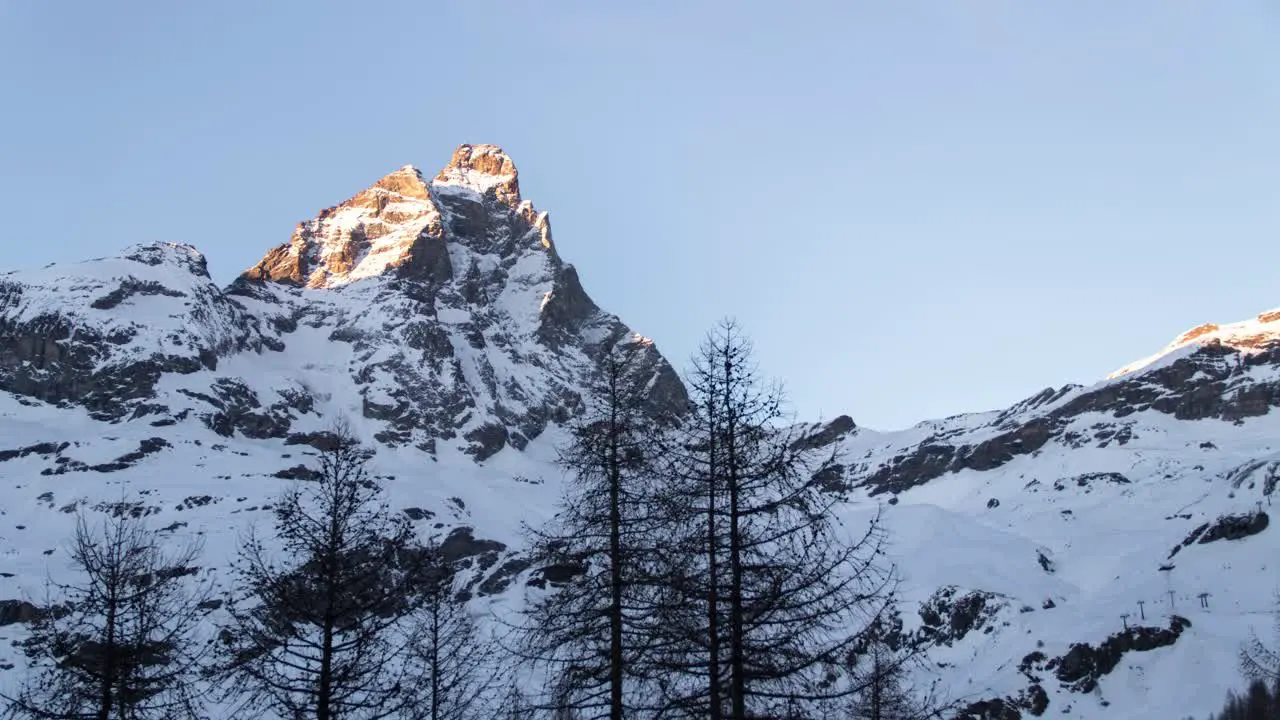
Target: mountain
1093	551
436	309
1101	551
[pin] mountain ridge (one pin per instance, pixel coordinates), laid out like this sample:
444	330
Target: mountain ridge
458	344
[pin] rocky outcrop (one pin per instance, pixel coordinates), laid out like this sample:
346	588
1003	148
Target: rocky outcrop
1235	527
1078	670
1087	481
237	409
17	611
45	448
1082	666
1214	381
950	615
486	168
994	709
932	459
101	334
378	230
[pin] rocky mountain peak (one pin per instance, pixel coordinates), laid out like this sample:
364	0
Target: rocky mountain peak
179	255
484	169
407	182
439	309
1247	336
404	225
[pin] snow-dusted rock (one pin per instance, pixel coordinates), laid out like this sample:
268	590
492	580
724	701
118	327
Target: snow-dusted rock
435	314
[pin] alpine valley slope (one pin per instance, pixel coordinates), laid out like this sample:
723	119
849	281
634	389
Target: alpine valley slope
436	317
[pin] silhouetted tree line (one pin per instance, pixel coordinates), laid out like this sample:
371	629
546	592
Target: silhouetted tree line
704	575
1260	701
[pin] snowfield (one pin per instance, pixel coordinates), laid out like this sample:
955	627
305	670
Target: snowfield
1059	521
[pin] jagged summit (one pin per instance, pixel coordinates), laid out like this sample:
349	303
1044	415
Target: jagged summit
442	302
482	168
1246	336
403	224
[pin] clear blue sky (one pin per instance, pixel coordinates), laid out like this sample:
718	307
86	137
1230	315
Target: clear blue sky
917	208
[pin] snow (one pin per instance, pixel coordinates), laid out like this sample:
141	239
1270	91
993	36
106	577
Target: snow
149	319
1245	336
1106	541
1106	553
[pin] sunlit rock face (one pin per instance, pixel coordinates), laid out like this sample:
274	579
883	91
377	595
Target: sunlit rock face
441	305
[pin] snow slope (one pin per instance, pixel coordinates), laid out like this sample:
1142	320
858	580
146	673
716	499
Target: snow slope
436	316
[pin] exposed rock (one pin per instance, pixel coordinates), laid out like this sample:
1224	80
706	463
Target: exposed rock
557	574
64	464
68	338
385	260
1195	332
240	410
1045	563
461	543
831	478
149	446
995	709
130	287
47	448
1088	480
17	611
134	510
949	616
1234	527
323	440
1081	667
1211	382
298	472
195	501
502	578
486	167
827	434
487	440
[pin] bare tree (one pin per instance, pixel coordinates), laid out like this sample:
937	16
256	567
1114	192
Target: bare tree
592	632
124	640
324	631
460	675
766	594
883	686
514	705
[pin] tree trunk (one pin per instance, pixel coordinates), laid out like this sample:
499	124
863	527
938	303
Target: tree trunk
737	663
324	711
435	658
326	674
713	568
877	687
615	552
106	699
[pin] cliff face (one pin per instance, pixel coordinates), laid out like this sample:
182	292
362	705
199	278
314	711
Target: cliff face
455	320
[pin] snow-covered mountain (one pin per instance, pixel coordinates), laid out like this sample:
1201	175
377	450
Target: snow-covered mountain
435	315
